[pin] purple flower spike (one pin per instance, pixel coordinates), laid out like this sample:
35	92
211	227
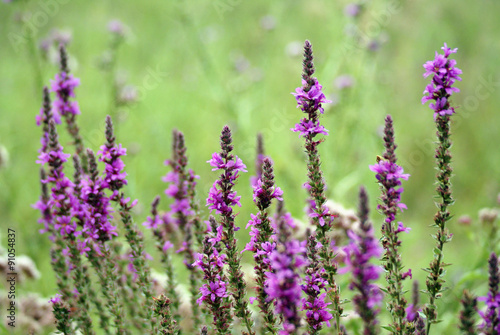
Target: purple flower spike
222	198
389	176
214	292
310	99
362	248
315	287
262	242
310	96
64	86
283	282
445	74
97	205
491	319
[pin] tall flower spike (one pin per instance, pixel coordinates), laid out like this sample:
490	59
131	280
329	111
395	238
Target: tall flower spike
214	292
111	153
310	99
362	248
283	282
440	90
64	85
262	242
179	179
49	205
389	176
222	198
468	314
315	287
491	320
63	203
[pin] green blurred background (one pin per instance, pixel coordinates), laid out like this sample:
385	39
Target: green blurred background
198	65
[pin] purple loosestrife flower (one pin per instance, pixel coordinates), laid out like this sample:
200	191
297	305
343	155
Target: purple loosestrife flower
445	74
222	198
98	225
315	286
115	178
214	292
64	86
491	319
468	314
283	281
389	176
310	99
262	240
62	199
63	203
180	185
362	248
440	90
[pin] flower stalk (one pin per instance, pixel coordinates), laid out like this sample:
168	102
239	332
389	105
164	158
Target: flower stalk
440	90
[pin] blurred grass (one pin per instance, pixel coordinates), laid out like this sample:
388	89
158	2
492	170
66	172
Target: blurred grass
191	49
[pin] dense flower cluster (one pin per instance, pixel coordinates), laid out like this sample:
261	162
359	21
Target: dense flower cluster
315	287
62	200
64	86
97	209
214	292
115	177
389	174
215	200
283	283
441	88
363	247
310	97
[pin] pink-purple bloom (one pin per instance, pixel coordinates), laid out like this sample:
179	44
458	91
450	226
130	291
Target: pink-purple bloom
315	287
389	174
309	128
64	86
218	199
283	283
312	98
115	177
445	74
